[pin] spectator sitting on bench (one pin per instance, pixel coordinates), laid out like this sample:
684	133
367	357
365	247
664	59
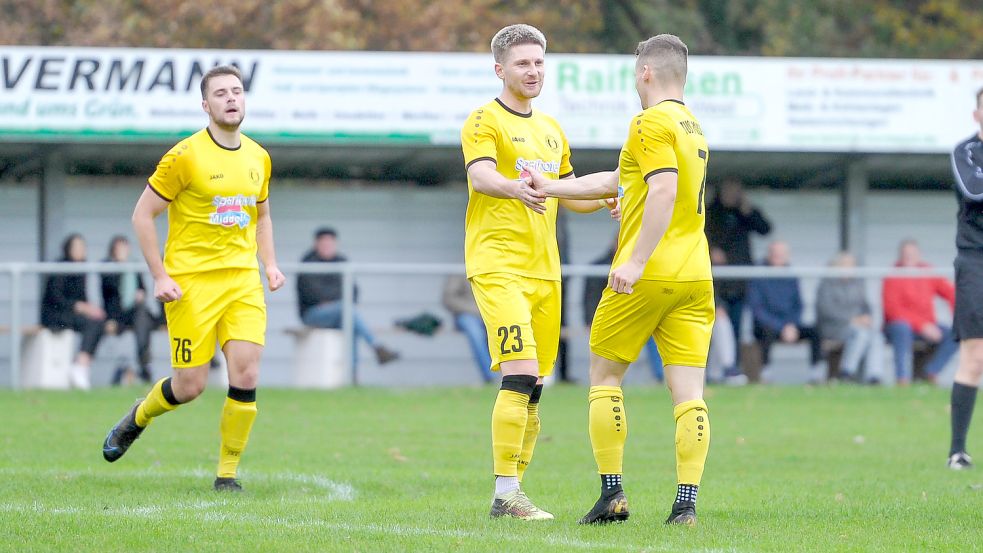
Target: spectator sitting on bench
64	306
125	300
459	300
909	312
776	304
843	315
319	296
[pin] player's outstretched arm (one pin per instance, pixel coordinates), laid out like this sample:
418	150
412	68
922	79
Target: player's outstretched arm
656	216
148	207
586	206
486	180
264	243
594	186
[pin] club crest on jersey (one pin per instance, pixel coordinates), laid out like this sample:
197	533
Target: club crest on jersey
553	143
229	210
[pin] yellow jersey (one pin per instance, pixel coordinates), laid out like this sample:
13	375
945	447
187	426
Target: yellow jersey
213	192
503	235
666	137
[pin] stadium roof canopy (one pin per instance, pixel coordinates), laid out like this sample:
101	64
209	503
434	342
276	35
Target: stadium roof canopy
429	165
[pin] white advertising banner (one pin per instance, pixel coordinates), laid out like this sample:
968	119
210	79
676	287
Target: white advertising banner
744	104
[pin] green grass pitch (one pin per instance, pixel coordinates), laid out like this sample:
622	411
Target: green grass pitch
790	469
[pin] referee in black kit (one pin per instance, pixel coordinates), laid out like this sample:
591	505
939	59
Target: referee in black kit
967	166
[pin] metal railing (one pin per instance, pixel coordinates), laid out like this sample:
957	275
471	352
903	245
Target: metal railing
18	270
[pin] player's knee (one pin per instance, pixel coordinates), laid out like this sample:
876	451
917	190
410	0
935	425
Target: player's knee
188	385
244	373
971	361
607	373
246	379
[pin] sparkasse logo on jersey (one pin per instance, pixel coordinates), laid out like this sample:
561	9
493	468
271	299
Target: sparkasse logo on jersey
229	212
537	164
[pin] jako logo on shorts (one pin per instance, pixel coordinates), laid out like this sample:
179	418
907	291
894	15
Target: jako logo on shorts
229	212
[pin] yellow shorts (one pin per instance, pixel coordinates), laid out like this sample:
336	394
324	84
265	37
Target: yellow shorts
522	318
226	304
678	314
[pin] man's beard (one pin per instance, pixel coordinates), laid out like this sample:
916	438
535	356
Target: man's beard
519	91
228	126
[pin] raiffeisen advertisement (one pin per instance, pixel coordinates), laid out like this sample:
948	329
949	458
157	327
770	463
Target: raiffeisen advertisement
744	104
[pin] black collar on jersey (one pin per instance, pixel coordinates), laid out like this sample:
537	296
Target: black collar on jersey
512	111
680	102
209	131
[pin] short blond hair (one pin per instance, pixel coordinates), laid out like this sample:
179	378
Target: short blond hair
514	35
666	54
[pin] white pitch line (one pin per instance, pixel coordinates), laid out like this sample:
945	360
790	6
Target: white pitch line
393	529
336	491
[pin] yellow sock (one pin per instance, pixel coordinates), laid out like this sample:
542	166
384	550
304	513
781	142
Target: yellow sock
237	421
692	440
608	427
529	438
155	404
509	418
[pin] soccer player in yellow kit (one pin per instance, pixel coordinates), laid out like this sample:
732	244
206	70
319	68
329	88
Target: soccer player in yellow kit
660	283
215	188
511	253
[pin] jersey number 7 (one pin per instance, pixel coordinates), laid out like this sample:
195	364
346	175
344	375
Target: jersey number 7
703	185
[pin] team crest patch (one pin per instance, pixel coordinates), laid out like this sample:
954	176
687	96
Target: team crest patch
553	143
229	210
254	176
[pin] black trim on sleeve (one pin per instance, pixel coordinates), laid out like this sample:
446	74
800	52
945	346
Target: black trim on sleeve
263	201
512	111
477	159
155	191
209	131
657	171
565	175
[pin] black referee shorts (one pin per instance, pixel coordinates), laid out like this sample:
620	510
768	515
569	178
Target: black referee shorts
967	321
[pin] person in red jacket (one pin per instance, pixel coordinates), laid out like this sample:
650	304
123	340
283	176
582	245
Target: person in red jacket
909	313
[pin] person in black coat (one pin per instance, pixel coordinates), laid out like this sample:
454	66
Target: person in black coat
319	295
729	223
124	298
65	306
